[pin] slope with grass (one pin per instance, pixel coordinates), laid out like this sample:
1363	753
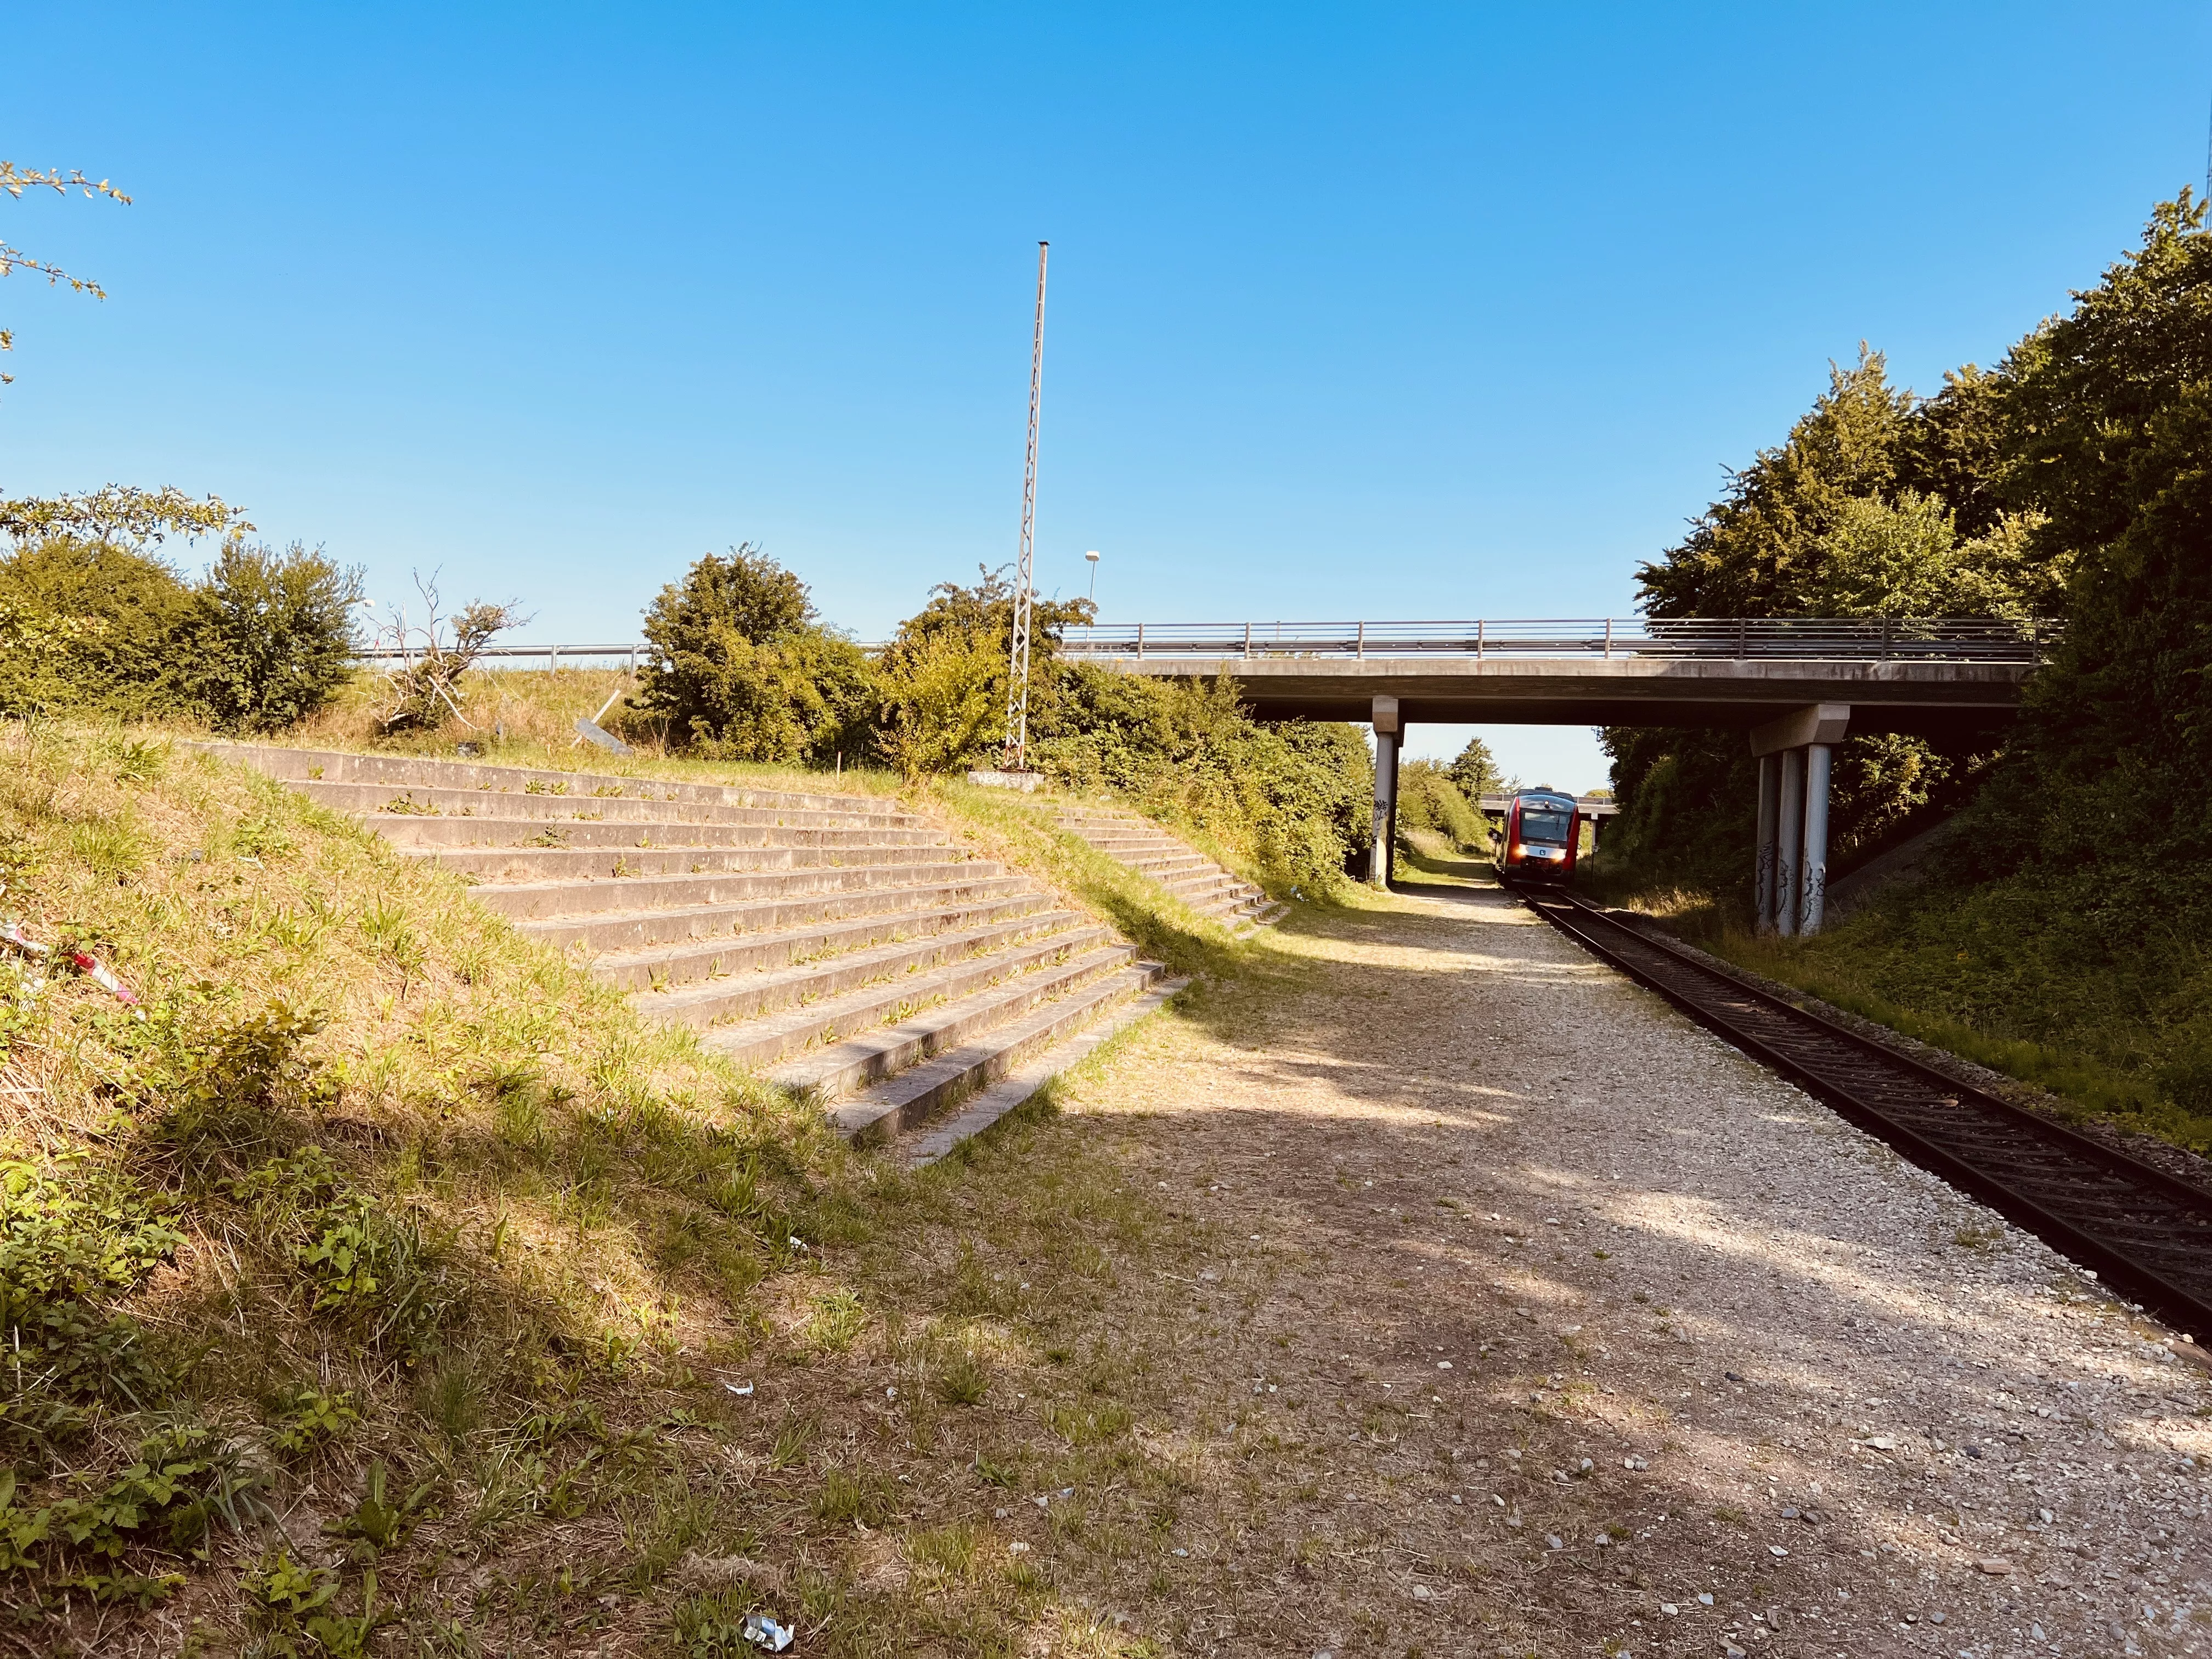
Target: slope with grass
848	950
1177	868
381	1268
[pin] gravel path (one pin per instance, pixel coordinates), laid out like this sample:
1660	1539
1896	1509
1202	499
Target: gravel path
1553	1325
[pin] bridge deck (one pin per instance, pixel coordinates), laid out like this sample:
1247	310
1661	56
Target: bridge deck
1896	675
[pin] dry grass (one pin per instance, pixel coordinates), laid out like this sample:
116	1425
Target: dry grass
515	1428
526	717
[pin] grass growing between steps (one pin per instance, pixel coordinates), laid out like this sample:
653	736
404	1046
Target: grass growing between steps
374	1241
526	717
382	1284
1019	830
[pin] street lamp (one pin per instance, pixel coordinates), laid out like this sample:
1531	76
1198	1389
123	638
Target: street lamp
1091	559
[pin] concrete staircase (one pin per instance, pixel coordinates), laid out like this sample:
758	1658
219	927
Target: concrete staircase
1191	876
832	942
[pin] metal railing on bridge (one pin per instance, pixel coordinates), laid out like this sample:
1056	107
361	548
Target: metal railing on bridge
1857	639
524	656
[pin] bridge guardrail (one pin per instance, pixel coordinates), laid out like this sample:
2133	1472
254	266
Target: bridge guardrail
1935	639
1858	639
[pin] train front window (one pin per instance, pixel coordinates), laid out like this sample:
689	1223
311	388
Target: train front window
1547	828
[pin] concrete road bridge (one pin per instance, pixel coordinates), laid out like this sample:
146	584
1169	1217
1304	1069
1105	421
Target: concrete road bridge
1795	685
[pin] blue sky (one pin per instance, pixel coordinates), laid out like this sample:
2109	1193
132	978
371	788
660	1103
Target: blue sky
1415	312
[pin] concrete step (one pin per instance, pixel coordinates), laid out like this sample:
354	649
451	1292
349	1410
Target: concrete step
1201	883
980	1111
682	961
339	766
1180	870
839	1068
538	863
404	830
1163	864
374	801
893	967
747	920
911	1098
1266	917
526	899
825	1024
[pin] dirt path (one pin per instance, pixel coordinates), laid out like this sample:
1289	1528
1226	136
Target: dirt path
1500	1310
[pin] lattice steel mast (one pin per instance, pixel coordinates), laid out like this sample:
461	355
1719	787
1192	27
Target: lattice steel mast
1017	680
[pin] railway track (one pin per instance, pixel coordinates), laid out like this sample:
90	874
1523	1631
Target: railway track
2144	1232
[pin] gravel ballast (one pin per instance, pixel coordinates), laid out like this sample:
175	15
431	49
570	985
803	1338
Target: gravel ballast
1586	1334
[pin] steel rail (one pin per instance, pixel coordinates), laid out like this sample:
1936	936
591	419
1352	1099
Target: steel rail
2140	1229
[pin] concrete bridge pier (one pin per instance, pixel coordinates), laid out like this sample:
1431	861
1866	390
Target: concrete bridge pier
1770	835
1389	734
1796	752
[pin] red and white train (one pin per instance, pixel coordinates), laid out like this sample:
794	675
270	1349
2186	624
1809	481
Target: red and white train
1542	830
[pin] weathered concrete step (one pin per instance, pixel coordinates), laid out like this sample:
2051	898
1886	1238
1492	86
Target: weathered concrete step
840	1068
339	766
375	802
1162	864
536	864
908	1100
406	829
646	925
1128	852
691	958
1201	883
763	1041
582	899
1265	918
979	1112
892	968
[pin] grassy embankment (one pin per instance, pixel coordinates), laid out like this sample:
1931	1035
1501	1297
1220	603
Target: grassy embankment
389	1270
2042	981
526	718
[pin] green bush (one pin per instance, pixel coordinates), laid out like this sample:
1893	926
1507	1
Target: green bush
945	674
1296	799
100	626
1429	800
743	669
944	703
89	627
271	637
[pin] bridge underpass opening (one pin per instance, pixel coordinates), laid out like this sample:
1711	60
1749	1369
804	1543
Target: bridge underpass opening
1793	686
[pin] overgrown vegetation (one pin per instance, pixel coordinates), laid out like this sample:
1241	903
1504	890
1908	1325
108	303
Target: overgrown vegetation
385	1285
2059	933
1431	802
93	621
745	670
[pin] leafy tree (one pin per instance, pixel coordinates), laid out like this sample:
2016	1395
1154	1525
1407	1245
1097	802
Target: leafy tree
120	514
1878	503
15	180
742	668
113	616
980	619
1294	797
1475	773
2108	416
943	702
271	635
1753	552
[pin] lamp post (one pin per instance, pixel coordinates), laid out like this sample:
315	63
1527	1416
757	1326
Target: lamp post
1091	559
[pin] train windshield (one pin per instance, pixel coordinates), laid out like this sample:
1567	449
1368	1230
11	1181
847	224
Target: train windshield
1547	824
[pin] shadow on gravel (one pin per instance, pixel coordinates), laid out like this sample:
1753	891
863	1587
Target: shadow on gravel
1849	1389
